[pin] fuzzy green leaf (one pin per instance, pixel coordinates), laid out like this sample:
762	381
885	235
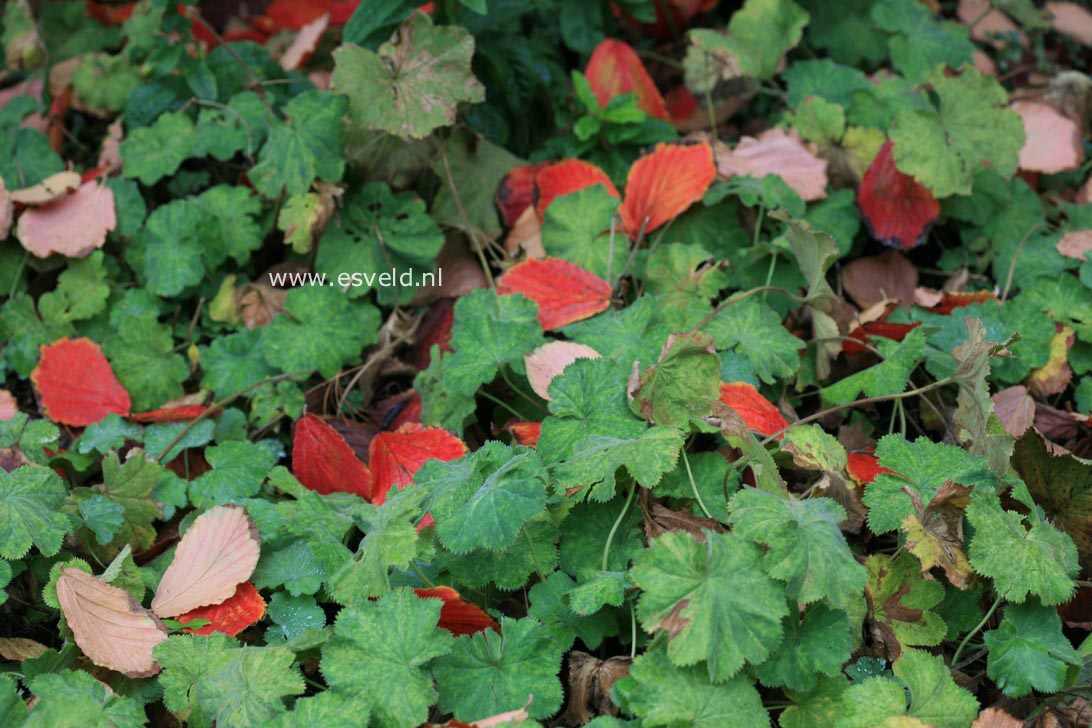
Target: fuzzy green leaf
319	329
30	504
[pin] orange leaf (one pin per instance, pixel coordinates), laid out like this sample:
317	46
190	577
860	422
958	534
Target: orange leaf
525	433
76	385
568	175
516	191
218	552
456	615
73	225
757	412
108	624
184	413
549	360
242	609
664	184
324	462
564	291
951	301
866	331
897	208
614	69
864	467
397	456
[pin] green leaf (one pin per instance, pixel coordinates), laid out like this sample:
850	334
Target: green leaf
319	329
167	256
943	147
128	486
310	145
577	229
923	467
594	461
823	78
102	516
228	225
819	707
412	87
471	156
489	332
74	697
482	499
713	599
584	536
1060	484
919	42
634	333
81	292
30	502
238	469
234	362
819	121
441	405
361	655
819	642
890	376
533	552
150	153
550	605
381	231
488	673
754	330
1039	560
141	353
294	614
901	601
662	694
682	273
805	548
935	699
12	708
682	386
1028	650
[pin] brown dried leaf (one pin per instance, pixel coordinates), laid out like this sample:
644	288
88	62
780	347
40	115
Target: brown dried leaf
1055	375
9	407
305	42
1015	408
935	533
1075	244
217	553
996	718
258	303
110	151
51	188
1052	140
590	683
1073	20
659	519
888	275
20	648
525	235
987	24
108	624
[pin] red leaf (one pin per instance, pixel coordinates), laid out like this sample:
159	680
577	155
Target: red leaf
516	191
758	413
525	433
665	183
864	468
614	69
897	208
887	330
564	291
324	462
681	104
568	175
397	456
76	385
184	413
951	301
399	409
294	14
435	328
109	14
456	615
242	609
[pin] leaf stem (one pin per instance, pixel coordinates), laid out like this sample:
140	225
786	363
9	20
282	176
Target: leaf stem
632	630
421	575
617	523
501	404
732	300
694	486
471	231
977	629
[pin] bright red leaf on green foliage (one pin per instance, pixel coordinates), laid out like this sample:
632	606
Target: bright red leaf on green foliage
324	462
568	175
863	334
517	191
458	616
525	433
758	413
672	17
897	208
397	456
184	413
294	14
76	385
564	292
951	301
614	69
665	183
242	609
864	467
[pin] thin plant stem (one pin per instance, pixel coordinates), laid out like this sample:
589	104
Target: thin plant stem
476	242
694	486
501	404
632	631
617	523
977	629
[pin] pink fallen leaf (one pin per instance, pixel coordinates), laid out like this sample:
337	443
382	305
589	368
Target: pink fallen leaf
305	42
1052	141
53	187
988	25
549	360
7	211
8	406
108	624
218	552
1073	20
72	226
1015	408
1075	244
776	151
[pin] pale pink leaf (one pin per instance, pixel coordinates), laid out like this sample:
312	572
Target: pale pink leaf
988	25
1015	408
304	43
53	187
108	624
6	210
778	152
8	406
1052	141
218	552
549	360
72	226
1075	244
1073	20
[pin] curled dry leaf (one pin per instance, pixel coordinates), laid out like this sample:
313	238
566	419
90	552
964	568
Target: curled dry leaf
72	226
179	413
564	291
324	462
217	553
1052	141
460	272
549	360
1054	376
568	175
996	718
887	276
897	209
457	615
1075	244
757	412
1073	20
989	25
396	457
76	385
108	624
664	184
258	303
590	683
51	188
1015	408
776	151
305	43
614	69
242	609
516	192
110	151
526	236
20	648
8	406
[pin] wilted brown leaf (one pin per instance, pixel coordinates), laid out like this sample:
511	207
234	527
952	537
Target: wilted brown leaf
935	532
1015	408
888	275
258	303
590	683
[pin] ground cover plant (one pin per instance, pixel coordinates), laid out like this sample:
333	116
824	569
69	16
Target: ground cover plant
494	362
